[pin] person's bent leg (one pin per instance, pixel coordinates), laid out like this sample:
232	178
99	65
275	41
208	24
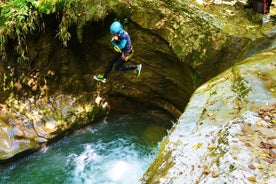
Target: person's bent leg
120	66
110	64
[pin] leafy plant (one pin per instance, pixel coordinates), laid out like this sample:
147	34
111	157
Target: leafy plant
18	17
47	6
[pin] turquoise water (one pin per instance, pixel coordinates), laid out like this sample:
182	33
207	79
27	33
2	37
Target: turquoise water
115	151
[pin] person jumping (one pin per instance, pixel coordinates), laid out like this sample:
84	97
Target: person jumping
121	43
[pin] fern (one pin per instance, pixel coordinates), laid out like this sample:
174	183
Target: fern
17	19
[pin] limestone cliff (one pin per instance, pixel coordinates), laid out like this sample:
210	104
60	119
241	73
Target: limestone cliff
227	132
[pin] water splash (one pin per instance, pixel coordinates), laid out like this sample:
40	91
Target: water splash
121	164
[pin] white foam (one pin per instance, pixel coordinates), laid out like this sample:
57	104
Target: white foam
122	165
125	172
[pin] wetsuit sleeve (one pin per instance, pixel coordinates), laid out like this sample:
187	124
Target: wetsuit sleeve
114	42
121	44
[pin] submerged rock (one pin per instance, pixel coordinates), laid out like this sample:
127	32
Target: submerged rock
227	132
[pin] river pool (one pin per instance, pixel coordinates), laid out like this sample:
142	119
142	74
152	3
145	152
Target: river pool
115	151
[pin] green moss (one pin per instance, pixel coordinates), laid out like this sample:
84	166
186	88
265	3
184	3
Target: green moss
219	151
240	87
223	137
155	167
213	92
231	167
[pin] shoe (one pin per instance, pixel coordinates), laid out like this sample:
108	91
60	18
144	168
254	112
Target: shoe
100	78
266	19
138	70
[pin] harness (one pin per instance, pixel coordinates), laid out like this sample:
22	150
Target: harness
127	55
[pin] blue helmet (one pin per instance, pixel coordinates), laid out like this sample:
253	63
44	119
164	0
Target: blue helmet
116	28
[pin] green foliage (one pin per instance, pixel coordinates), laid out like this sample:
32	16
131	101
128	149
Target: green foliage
18	17
66	8
47	6
21	17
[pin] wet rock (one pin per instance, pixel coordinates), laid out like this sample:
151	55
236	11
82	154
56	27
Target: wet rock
39	121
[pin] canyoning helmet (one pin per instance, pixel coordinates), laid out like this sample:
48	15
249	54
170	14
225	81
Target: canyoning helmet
116	28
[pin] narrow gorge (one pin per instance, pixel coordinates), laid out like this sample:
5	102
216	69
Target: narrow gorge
205	64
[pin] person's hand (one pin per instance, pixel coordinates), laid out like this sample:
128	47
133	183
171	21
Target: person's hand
115	38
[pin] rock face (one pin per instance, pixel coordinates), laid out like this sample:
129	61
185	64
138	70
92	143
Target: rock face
180	44
227	132
26	124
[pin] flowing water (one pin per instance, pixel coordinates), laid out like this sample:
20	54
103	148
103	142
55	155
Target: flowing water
115	151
